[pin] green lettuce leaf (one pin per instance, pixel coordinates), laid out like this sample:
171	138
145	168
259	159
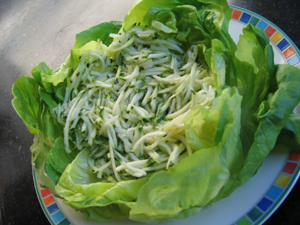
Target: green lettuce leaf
77	52
272	116
81	189
36	97
26	102
290	134
253	111
252	70
255	66
138	10
58	159
192	183
192	21
47	78
203	23
106	213
100	31
37	117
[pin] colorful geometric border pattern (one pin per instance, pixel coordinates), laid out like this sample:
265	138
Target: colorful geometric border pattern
277	36
267	204
50	208
285	180
291	171
276	194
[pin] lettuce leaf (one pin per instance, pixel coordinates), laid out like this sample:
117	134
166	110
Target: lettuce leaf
36	96
82	190
274	114
253	111
58	159
26	102
193	182
163	195
98	32
290	134
37	117
47	78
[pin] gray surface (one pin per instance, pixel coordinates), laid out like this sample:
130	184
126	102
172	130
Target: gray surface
35	31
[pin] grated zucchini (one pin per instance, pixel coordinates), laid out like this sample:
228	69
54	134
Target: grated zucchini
127	101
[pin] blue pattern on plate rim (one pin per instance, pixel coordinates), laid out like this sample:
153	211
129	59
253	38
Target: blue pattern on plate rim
285	180
291	171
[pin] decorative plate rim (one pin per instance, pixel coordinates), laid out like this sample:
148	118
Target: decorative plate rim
276	30
48	203
296	173
56	216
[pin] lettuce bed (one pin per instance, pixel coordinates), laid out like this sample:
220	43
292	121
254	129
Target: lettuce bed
252	112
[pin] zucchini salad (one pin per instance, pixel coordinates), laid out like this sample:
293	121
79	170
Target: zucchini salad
126	102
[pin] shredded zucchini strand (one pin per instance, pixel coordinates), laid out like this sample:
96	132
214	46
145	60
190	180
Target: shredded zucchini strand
126	102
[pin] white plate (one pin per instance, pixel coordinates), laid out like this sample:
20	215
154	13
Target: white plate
272	183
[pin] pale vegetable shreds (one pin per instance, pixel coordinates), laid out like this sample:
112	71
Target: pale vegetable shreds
127	101
159	115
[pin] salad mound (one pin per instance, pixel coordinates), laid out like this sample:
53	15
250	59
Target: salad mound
126	102
159	115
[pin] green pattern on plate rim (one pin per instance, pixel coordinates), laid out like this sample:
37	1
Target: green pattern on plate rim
285	180
289	174
49	204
